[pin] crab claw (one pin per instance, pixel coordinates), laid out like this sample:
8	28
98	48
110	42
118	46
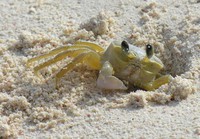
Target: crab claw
106	80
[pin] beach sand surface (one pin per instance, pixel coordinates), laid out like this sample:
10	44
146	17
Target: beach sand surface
31	106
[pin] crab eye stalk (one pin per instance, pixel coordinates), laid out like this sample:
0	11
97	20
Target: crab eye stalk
149	50
125	46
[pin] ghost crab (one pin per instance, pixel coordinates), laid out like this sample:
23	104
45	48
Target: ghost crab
118	63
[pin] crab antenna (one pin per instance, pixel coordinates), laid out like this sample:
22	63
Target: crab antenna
149	50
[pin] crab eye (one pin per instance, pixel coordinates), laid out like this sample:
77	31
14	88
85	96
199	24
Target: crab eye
149	50
125	46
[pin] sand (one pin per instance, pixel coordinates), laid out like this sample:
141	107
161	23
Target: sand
31	107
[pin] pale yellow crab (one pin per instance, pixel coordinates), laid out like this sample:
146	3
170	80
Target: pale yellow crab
118	63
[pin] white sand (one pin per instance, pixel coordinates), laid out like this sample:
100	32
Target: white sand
31	107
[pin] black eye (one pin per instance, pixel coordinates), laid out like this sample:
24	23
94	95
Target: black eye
149	50
125	46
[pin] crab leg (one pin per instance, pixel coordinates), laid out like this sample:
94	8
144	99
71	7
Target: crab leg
91	58
68	53
158	82
92	45
53	52
161	80
56	51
